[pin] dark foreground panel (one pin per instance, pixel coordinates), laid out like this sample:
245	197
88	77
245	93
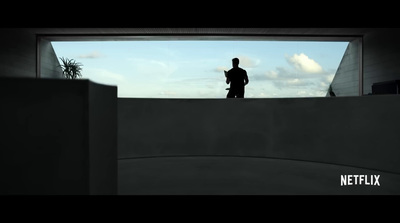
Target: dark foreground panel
57	137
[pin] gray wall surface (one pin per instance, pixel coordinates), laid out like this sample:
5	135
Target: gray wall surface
102	138
381	57
63	142
18	53
380	63
346	80
353	132
225	175
49	64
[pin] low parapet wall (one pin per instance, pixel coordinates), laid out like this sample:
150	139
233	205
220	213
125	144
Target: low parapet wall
259	146
355	131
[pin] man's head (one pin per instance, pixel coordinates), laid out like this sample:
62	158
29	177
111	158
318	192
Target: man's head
235	62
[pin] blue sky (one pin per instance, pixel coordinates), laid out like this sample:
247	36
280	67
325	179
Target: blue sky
194	69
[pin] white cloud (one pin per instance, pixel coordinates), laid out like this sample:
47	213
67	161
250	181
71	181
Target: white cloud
153	68
244	62
103	76
305	64
326	80
91	55
271	74
280	73
247	62
302	93
329	78
294	81
168	93
221	69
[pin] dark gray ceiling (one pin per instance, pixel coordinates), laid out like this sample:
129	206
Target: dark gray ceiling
92	34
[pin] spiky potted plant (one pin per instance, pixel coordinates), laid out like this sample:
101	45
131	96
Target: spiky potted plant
71	68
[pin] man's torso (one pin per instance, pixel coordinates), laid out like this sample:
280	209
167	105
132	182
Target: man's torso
237	77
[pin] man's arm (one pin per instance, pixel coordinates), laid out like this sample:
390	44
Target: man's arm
246	78
227	78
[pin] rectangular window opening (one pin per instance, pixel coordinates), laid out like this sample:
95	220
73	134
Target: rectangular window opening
146	67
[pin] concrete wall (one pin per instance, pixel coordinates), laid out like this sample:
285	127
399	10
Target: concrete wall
380	63
381	57
162	141
102	138
49	64
224	175
63	142
346	80
18	53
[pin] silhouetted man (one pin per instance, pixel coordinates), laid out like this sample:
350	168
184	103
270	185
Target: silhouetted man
237	77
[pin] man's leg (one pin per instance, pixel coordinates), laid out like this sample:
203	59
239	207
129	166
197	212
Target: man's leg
231	94
240	93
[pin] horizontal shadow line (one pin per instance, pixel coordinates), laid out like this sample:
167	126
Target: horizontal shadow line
257	157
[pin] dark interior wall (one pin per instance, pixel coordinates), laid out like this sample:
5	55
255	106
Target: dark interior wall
18	53
354	131
103	139
57	143
380	63
381	57
42	135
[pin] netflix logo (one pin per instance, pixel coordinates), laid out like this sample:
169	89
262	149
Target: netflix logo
350	180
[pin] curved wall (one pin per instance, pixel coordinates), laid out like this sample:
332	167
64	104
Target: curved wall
224	175
351	132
